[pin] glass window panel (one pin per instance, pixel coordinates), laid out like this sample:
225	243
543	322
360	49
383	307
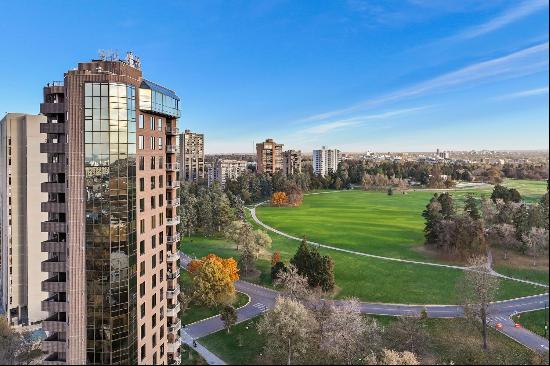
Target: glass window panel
122	137
96	102
96	125
104	125
88	125
96	90
113	137
88	89
104	89
88	137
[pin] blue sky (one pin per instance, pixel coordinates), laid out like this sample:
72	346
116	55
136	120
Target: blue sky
402	75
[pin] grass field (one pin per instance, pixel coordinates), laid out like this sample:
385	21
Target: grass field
534	321
196	312
451	340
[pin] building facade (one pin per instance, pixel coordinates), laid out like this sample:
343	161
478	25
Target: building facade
191	156
112	188
292	162
20	217
325	161
269	155
226	169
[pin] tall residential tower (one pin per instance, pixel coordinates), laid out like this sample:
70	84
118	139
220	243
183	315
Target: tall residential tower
191	156
325	161
269	155
112	196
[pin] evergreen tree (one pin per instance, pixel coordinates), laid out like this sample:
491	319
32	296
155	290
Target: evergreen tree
471	207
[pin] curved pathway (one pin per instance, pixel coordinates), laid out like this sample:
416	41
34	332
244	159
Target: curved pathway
409	261
263	299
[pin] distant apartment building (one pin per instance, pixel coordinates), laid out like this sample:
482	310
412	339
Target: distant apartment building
269	155
191	156
20	217
325	161
226	169
113	265
292	162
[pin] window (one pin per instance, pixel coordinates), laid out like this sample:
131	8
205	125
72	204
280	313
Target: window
153	180
161	309
153	202
154	319
141	142
152	123
142	311
141	184
154	281
161	200
141	204
155	354
161	256
161	279
142	268
153	241
142	289
161	178
141	163
153	222
153	143
141	119
142	331
142	352
160	162
153	162
142	226
161	312
154	340
159	124
161	234
160	143
154	261
142	247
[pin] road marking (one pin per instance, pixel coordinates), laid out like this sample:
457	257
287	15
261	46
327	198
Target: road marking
261	307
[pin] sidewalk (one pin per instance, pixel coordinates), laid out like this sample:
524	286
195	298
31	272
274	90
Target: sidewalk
210	358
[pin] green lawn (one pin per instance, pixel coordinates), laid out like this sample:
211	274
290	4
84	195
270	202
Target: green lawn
451	340
190	357
534	321
539	275
530	190
196	312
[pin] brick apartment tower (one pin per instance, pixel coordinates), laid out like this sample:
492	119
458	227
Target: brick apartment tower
191	156
112	239
269	155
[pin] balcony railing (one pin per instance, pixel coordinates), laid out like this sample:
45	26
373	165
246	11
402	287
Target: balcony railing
172	293
173	311
173	275
172	131
171	149
172	167
172	257
173	220
173	203
175	327
173	184
173	238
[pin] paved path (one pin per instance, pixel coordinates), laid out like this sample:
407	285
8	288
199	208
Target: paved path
208	356
408	261
263	299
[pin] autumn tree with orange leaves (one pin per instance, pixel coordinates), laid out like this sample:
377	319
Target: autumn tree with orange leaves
279	199
213	280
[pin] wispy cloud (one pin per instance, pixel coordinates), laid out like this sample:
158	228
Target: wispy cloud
359	120
523	94
511	15
520	63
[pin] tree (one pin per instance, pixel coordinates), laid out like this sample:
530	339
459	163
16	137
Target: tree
521	223
188	212
505	194
17	348
262	240
537	242
318	269
390	191
275	258
213	280
294	285
471	207
545	211
390	357
288	330
279	199
447	205
407	334
433	217
294	194
504	235
228	316
477	288
276	269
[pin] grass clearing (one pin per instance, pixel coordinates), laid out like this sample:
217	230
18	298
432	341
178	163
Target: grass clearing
534	321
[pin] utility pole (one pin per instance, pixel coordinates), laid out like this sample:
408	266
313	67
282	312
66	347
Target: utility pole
545	320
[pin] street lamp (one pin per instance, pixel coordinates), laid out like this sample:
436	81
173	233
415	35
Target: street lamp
546	320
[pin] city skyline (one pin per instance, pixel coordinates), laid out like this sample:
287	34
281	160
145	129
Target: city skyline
355	75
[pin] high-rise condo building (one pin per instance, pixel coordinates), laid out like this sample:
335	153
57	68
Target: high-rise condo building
191	156
292	163
269	155
227	169
325	161
112	196
20	217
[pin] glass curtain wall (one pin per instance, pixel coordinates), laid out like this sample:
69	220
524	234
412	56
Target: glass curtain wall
110	173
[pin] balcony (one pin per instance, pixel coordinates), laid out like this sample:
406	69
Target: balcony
174	347
54	344
175	361
53	246
54	285
173	239
173	293
52	187
53	265
172	257
53	147
173	203
53	227
52	168
54	359
52	128
54	324
51	305
173	311
175	327
171	149
53	207
173	275
49	108
172	131
172	167
173	184
173	220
